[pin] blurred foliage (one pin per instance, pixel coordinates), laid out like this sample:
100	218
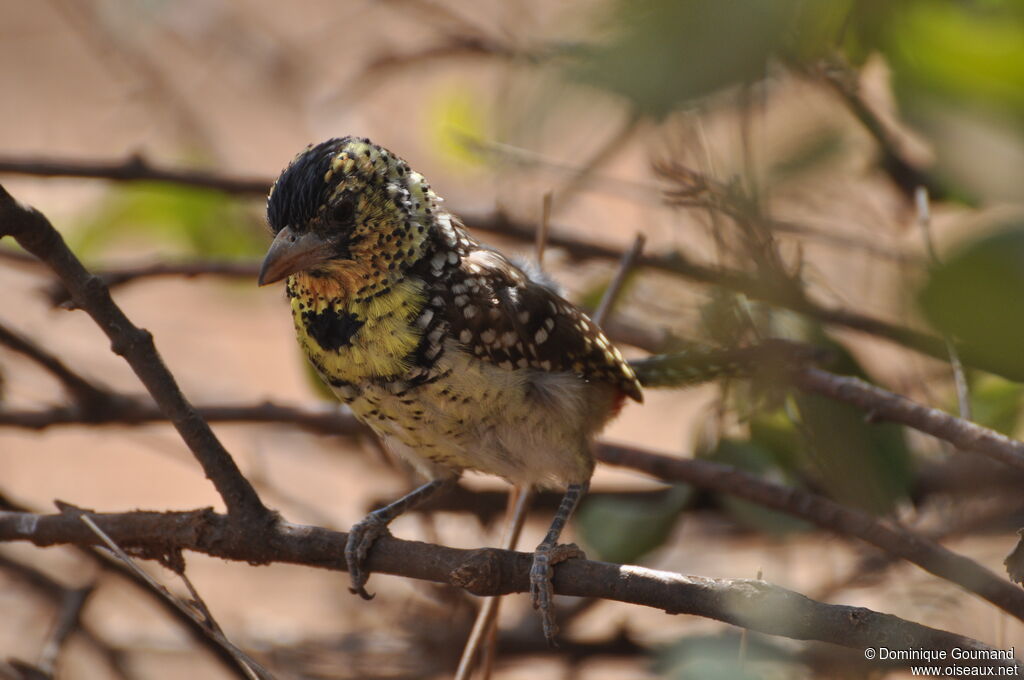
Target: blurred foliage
816	149
953	50
664	54
194	221
456	114
592	295
975	297
996	402
624	529
800	437
761	461
718	657
862	464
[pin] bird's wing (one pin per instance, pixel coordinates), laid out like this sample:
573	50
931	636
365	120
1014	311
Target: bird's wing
502	316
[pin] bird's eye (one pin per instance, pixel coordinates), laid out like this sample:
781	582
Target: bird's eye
343	212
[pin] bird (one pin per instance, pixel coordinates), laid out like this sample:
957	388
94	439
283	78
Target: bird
457	358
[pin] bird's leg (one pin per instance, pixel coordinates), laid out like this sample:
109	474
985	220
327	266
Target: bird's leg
362	536
548	554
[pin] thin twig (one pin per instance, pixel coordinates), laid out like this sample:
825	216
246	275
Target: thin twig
250	666
114	278
543	227
135	169
606	152
56	593
756	605
319	419
878	403
924	220
67	622
87	395
111	565
484	625
614	289
906	175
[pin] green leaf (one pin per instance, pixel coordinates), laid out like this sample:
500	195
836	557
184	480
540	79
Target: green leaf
775	432
760	461
194	221
667	52
996	403
975	296
662	54
624	529
708	657
867	465
456	114
858	463
960	51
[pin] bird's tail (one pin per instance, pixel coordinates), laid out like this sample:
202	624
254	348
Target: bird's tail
700	365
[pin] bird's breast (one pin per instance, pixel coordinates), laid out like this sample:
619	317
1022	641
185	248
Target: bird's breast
355	340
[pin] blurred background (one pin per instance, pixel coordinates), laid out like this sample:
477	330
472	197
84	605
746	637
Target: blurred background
786	140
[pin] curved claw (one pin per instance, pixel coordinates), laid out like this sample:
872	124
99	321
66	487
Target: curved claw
542	593
361	538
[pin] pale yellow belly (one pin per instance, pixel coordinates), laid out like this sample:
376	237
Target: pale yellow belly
526	426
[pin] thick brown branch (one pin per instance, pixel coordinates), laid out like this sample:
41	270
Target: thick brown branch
36	235
821	511
826	514
752	604
818	510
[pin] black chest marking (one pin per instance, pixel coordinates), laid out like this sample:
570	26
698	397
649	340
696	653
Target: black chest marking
332	329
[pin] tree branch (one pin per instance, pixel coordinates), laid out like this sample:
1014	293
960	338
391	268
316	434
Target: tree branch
826	514
87	395
231	269
133	169
752	604
813	508
881	404
328	420
906	175
36	235
56	593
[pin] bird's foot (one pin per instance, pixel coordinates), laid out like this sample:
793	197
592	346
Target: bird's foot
542	593
361	538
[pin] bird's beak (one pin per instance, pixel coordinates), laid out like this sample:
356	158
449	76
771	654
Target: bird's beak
290	253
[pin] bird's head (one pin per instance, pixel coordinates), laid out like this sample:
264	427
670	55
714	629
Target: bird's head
350	210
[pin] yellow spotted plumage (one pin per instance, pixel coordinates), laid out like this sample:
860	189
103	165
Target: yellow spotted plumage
451	353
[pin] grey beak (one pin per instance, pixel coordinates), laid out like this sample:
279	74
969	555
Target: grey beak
290	253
